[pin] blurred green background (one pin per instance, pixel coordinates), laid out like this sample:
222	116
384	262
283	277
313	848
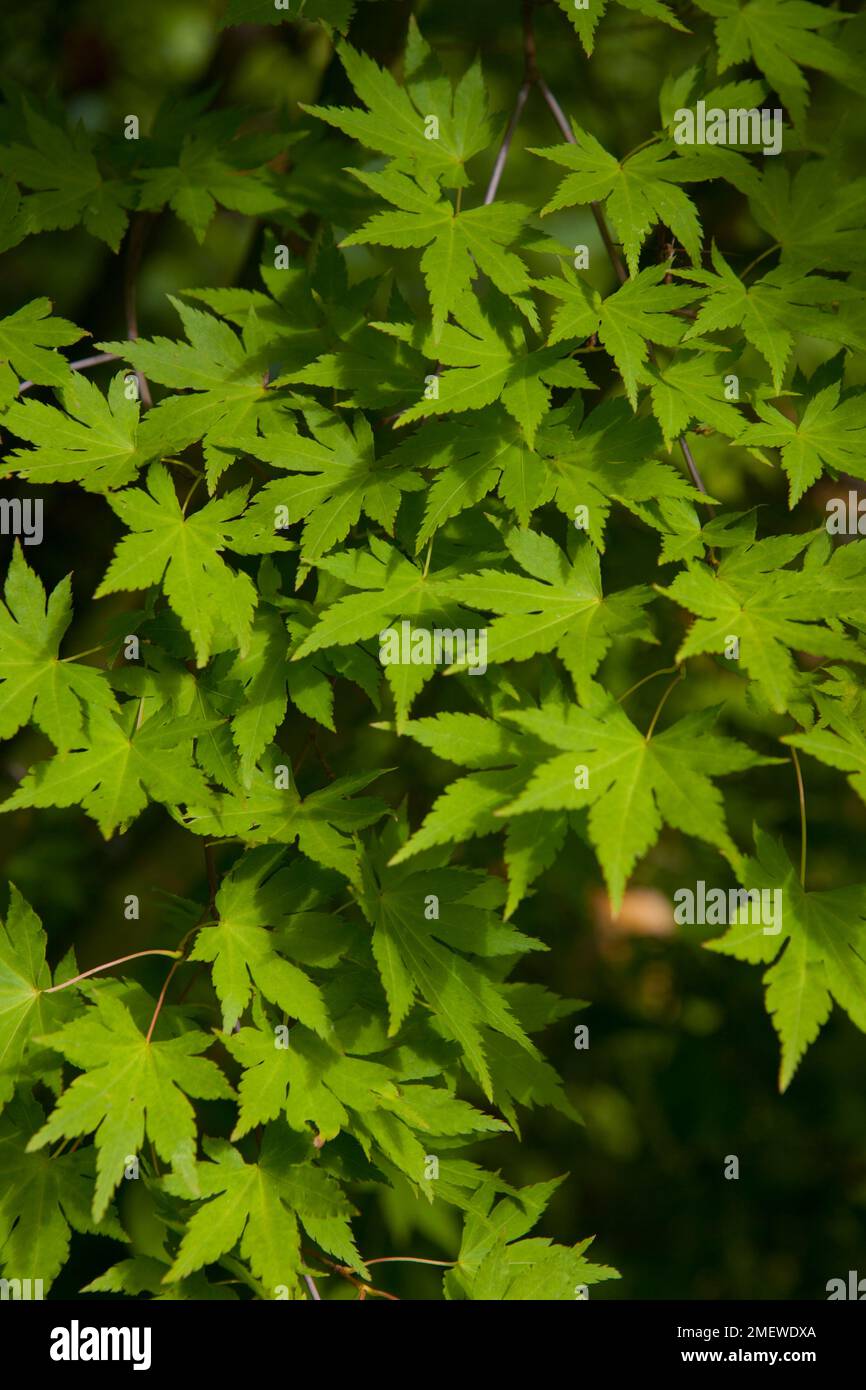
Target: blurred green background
682	1063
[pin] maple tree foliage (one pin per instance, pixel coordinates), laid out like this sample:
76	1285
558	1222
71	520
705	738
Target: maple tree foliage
425	408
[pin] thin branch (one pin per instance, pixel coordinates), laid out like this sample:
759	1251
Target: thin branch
212	880
693	467
664	671
311	1285
661	703
121	960
410	1260
604	232
81	365
161	1000
505	147
757	261
531	76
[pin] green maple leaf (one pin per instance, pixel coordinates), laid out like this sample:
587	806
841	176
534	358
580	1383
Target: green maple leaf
41	1198
308	1081
14	224
389	585
606	457
692	388
69	188
26	1010
181	551
144	1274
415	954
459	245
213	168
270	679
495	1263
244	952
227	373
28	339
829	432
469	458
257	1206
781	37
395	121
815	232
627	321
635	782
129	1088
638	191
311	1081
771	609
336	13
824	957
113	768
95	440
838	739
264	672
35	683
505	759
270	810
556	605
487	354
586	19
771	310
339	477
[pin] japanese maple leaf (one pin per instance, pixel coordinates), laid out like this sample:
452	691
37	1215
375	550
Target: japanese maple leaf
556	605
61	168
692	388
227	373
28	342
586	19
830	432
181	551
95	440
414	954
130	1087
502	760
244	951
271	810
26	1008
771	609
838	739
388	585
309	1081
488	357
781	37
258	1206
335	12
337	476
640	191
771	310
395	122
633	782
41	1198
815	232
590	462
818	957
391	588
113	768
35	683
214	166
627	321
458	244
